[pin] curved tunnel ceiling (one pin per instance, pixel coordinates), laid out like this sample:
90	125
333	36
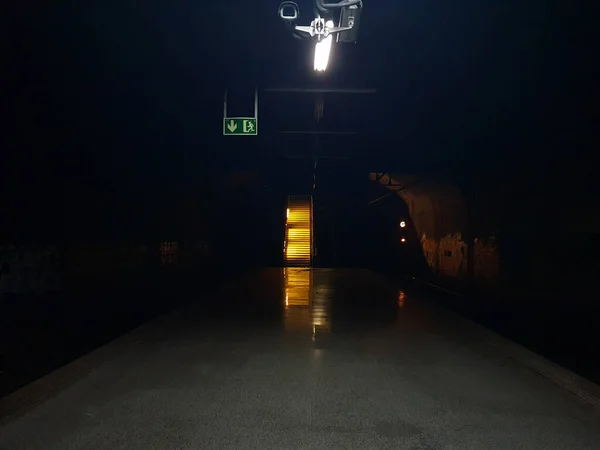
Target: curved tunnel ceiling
436	206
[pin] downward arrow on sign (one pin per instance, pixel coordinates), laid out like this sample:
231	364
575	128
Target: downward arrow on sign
232	126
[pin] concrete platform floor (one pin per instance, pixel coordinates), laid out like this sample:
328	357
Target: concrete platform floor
300	359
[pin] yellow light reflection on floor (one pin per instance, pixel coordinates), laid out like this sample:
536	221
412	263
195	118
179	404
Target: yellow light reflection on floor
320	306
298	286
306	307
297	289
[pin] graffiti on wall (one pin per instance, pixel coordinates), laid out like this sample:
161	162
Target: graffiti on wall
430	251
169	253
449	257
184	255
453	256
29	270
486	260
83	260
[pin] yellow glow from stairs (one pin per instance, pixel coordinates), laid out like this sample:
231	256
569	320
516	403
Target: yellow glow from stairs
298	231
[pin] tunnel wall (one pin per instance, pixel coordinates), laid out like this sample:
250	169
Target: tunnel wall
29	269
455	246
43	269
187	229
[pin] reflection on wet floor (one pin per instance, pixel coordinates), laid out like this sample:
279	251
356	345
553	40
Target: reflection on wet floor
298	292
360	365
314	298
307	302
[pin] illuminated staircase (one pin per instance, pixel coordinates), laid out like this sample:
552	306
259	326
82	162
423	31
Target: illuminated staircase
298	232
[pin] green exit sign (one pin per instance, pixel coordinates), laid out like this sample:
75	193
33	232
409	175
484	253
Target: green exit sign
240	126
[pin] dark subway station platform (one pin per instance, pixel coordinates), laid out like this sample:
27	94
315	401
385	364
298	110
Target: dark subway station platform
302	358
227	225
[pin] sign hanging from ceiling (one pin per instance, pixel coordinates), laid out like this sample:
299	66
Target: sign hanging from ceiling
240	126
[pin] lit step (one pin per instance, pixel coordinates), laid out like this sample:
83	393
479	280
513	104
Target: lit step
298	233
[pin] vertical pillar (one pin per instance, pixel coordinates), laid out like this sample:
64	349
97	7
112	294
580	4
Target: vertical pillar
470	235
256	106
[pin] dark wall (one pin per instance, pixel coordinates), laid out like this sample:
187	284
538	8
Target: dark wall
104	234
359	234
250	227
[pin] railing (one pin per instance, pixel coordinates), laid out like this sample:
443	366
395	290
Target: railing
312	232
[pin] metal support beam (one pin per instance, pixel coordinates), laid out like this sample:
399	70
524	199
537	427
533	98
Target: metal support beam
321	90
319	107
256	105
318	114
317	132
389	194
390	183
321	157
